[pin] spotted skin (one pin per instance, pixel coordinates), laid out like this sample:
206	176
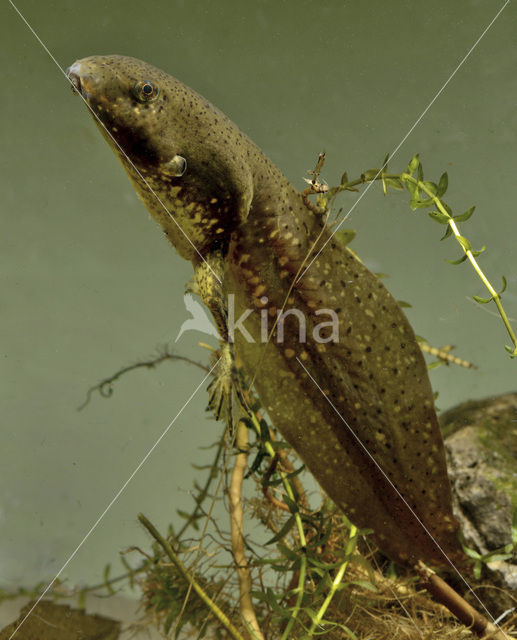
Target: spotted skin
369	433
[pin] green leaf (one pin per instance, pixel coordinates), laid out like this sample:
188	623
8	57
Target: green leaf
292	504
365	585
183	514
447	233
443	184
465	244
411	187
282	444
421	204
403	304
511	351
498	557
479	252
464	216
272	601
105	575
432	187
287	552
394	183
344	178
130	571
420	172
504	285
438	216
413	164
459	261
277	481
472	553
482	300
385	162
370	174
324	565
283	531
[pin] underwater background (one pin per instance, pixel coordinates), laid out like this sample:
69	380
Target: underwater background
90	285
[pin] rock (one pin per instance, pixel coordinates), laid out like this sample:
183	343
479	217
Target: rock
50	621
481	447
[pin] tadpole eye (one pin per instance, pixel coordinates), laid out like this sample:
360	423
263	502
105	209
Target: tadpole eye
145	91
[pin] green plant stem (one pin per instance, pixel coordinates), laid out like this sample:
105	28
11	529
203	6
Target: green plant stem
303	560
217	612
406	177
203	493
336	582
495	296
298	605
301	533
285	482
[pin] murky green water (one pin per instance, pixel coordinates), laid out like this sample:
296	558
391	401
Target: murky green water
89	284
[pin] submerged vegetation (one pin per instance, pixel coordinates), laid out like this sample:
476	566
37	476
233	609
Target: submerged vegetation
305	571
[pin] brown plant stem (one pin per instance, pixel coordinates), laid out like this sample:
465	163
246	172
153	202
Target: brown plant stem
237	533
458	606
204	597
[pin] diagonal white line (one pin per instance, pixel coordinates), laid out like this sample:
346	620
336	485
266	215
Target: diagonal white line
394	152
113	500
359	441
116	143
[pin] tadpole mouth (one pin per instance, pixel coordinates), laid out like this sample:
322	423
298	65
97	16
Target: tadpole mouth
81	79
75	81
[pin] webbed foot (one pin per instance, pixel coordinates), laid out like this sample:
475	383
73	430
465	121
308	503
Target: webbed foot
224	384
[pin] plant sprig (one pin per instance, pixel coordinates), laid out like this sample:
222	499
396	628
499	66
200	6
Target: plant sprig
300	589
424	195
